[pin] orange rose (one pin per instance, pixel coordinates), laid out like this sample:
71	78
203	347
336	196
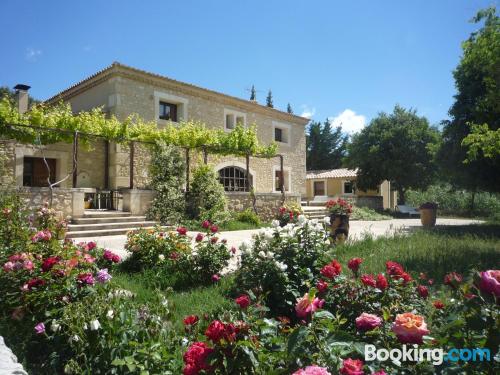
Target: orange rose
410	328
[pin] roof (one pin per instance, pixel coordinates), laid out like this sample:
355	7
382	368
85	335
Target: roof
119	69
331	173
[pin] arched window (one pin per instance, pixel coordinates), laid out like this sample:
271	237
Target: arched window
234	179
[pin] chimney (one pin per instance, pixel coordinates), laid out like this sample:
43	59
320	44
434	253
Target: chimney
22	97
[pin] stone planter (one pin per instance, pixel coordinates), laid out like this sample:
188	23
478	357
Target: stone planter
339	227
428	217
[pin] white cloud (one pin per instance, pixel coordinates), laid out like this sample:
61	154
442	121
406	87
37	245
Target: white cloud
307	112
351	122
32	54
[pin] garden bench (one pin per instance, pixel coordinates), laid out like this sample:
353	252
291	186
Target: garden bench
404	209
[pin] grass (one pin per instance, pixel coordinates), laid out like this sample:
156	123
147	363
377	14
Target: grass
197	301
231	225
435	252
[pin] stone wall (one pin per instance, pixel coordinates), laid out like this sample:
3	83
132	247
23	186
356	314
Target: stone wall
67	201
267	204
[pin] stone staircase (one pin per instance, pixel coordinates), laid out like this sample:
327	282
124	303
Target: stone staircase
95	223
315	211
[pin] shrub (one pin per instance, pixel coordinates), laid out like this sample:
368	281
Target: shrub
365	213
173	257
167	178
248	216
289	213
206	199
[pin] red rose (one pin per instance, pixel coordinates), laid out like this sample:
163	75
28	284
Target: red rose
199	237
352	367
215	278
205	224
354	264
368	280
322	286
406	277
243	301
190	320
115	258
381	282
182	231
394	269
423	291
195	358
215	331
438	304
214	240
35	283
214	228
453	279
331	270
49	263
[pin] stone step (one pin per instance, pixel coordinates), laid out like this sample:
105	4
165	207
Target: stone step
101	232
105	226
105	220
104	214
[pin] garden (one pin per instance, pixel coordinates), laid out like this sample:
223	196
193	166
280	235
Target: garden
297	304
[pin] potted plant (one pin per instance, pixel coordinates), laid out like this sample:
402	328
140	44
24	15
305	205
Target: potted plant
288	214
428	211
87	201
340	210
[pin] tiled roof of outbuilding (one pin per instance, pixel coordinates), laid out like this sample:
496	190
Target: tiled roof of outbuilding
331	173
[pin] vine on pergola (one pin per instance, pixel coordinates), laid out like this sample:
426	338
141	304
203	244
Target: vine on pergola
94	123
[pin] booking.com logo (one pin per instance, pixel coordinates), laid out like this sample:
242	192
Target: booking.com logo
435	356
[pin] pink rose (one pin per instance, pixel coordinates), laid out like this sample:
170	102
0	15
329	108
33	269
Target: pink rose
490	282
312	370
8	267
307	305
352	367
367	322
215	278
205	224
182	231
410	328
28	265
199	237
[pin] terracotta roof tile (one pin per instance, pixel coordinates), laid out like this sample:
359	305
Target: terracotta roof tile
331	173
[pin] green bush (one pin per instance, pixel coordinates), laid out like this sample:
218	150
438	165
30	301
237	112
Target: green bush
167	177
365	213
456	202
248	216
206	199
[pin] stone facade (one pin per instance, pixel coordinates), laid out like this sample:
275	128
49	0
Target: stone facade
67	201
267	204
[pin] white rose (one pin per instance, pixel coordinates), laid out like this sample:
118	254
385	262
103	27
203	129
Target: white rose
74	338
55	327
326	220
85	326
282	266
110	314
95	325
302	219
245	245
161	257
275	223
262	254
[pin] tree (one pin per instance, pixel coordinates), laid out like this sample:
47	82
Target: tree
253	94
398	147
289	109
326	147
167	177
465	156
269	99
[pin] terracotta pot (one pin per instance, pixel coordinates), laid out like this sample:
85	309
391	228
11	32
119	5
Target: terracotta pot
339	227
428	217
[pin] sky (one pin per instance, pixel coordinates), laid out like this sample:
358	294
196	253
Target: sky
342	60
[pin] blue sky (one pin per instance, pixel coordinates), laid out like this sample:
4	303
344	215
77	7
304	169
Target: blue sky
344	60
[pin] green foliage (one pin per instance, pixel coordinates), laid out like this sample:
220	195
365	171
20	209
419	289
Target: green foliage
248	216
325	146
206	199
167	178
398	147
365	213
475	115
456	201
188	134
7	92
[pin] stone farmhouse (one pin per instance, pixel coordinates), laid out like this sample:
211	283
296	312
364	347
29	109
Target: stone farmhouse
121	91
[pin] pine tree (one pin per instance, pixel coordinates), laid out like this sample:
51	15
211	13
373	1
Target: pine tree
269	99
253	94
289	109
326	147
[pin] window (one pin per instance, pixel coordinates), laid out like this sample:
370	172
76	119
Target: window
168	111
234	179
286	179
35	172
319	188
348	187
233	118
281	132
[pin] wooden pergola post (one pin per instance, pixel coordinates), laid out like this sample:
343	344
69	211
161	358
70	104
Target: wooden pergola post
282	176
132	152
106	164
75	158
249	183
187	169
